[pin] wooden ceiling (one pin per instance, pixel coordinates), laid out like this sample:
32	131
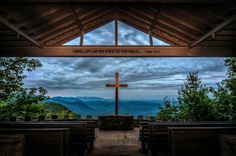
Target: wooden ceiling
180	23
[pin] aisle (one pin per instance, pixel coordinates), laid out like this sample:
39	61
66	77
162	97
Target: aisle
117	143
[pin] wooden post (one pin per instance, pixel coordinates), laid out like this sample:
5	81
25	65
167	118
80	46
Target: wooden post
117	92
82	38
116	32
150	38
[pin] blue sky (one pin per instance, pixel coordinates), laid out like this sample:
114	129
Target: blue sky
148	78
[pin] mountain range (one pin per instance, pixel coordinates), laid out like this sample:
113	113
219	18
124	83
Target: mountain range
99	106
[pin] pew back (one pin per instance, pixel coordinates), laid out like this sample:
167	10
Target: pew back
196	141
12	145
80	142
43	141
155	134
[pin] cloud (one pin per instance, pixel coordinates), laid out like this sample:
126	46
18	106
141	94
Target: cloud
147	77
160	75
105	35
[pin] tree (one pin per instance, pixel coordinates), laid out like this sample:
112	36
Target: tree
168	111
225	93
12	74
194	102
18	101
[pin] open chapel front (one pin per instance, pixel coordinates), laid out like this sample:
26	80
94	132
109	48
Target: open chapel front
113	78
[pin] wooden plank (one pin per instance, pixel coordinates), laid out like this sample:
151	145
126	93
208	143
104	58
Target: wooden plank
216	29
43	141
173	32
20	32
183	20
228	145
63	37
116	32
120	51
12	145
60	32
196	141
82	38
156	17
205	2
178	30
82	134
51	23
157	132
75	16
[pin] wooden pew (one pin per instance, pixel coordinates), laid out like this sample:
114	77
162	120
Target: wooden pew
196	141
43	141
91	125
155	134
80	142
144	134
228	145
12	145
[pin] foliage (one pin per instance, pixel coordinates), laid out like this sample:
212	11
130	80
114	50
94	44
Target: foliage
19	102
60	110
225	93
55	107
168	111
12	74
195	104
23	103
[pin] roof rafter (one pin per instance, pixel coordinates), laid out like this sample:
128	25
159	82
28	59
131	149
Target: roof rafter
20	32
136	24
214	30
156	18
75	17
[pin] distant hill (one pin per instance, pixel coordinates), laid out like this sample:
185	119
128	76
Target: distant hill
99	106
55	107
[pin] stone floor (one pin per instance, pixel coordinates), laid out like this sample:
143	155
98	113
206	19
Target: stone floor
117	143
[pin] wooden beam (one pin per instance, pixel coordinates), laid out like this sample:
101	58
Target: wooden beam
178	28
20	32
48	11
97	15
164	36
82	38
57	29
98	22
61	36
199	2
156	17
181	20
72	11
216	29
172	32
116	32
61	18
138	14
150	38
59	33
91	12
117	51
144	28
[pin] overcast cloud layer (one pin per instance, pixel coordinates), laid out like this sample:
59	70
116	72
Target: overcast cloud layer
148	78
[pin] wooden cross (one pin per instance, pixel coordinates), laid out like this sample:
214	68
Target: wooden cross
117	85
